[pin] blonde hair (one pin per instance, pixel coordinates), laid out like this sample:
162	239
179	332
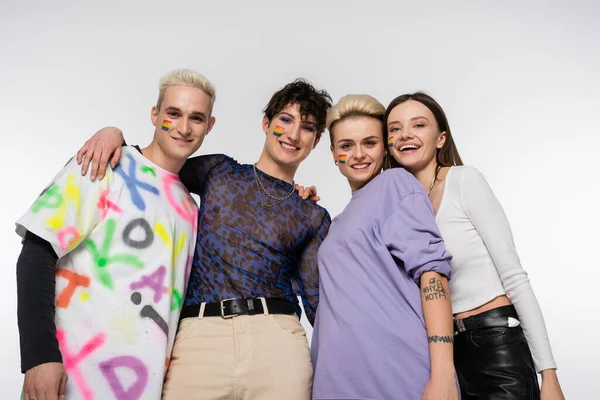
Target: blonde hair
186	77
354	105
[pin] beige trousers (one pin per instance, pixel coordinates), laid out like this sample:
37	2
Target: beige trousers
258	357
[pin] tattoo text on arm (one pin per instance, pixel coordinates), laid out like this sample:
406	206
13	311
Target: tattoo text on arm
435	290
440	339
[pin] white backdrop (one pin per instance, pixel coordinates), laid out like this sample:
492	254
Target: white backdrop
519	82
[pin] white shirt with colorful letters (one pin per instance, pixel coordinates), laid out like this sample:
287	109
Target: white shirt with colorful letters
125	246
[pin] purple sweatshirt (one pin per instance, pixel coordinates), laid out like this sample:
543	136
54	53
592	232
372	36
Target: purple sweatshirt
369	339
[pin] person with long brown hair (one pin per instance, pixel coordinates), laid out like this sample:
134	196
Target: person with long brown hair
384	323
500	337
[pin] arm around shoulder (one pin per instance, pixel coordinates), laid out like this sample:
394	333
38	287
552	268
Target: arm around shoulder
103	145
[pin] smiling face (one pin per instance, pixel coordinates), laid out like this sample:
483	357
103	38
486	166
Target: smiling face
290	139
358	148
413	135
182	122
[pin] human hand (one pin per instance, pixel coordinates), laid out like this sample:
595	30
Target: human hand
45	382
105	144
441	389
308	193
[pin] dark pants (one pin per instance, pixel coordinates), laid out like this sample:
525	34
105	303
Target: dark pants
495	363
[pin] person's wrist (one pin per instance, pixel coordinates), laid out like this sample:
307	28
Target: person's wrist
29	365
40	348
112	131
443	371
548	373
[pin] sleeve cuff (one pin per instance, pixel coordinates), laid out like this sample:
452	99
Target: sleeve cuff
39	351
440	268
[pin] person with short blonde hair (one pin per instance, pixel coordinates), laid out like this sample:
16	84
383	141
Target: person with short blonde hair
376	336
105	263
240	334
189	78
354	105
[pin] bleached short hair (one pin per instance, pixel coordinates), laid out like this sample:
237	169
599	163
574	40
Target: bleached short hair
354	105
186	77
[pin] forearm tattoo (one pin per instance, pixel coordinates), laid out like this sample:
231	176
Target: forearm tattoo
439	339
435	290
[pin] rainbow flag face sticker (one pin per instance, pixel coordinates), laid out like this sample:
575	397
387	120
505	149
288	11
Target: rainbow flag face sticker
166	125
342	158
390	141
278	130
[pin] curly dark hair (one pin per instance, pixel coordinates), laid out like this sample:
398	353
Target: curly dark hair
311	101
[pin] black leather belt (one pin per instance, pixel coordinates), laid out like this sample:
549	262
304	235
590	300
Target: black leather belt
473	323
233	307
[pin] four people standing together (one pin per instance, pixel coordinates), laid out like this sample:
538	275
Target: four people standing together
415	289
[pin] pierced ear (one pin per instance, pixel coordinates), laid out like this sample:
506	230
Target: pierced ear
333	153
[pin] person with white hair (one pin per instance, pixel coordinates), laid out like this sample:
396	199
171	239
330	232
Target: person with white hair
105	263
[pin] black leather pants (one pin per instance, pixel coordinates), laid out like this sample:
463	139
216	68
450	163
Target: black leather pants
495	363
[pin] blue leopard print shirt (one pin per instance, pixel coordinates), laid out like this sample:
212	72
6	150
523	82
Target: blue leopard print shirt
245	250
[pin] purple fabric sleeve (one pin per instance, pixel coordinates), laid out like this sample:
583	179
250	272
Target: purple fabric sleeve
411	235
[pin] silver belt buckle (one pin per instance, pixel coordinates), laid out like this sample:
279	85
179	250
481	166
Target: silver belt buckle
223	310
460	325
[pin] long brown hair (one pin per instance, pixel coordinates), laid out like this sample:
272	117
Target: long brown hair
446	156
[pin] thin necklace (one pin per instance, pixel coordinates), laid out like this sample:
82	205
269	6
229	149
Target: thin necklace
263	191
435	175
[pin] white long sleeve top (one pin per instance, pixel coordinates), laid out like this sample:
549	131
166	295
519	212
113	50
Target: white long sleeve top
485	263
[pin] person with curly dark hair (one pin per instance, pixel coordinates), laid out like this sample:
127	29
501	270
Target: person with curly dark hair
240	334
